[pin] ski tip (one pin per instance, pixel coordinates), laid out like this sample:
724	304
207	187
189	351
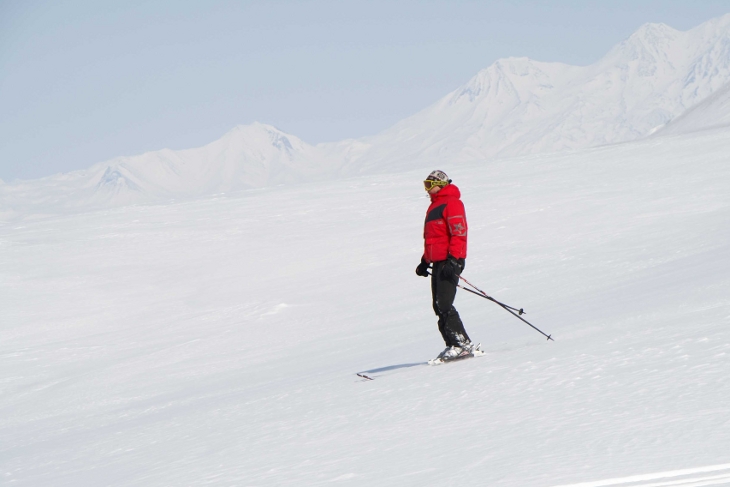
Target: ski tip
364	376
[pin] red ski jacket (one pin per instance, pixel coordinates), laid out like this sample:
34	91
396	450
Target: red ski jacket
445	228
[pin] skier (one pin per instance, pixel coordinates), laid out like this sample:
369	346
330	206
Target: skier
444	233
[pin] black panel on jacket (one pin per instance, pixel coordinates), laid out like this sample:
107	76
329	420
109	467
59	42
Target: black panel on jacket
436	214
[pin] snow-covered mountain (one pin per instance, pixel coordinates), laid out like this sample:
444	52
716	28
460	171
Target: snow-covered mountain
520	106
516	106
249	156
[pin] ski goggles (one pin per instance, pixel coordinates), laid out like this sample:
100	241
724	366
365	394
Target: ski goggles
429	184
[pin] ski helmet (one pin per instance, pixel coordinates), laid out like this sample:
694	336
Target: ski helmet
440	176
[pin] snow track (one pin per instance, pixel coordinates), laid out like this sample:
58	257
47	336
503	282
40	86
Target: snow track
691	477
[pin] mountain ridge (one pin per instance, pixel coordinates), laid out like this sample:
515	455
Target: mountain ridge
515	106
245	157
518	106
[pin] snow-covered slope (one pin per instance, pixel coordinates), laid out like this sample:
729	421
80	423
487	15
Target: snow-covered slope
249	156
711	113
520	106
215	342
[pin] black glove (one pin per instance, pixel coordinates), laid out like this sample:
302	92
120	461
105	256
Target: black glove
422	269
452	268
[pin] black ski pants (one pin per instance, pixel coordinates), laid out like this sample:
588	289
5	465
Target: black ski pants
443	292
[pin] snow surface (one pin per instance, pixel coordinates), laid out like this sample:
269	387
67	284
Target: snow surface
516	106
216	341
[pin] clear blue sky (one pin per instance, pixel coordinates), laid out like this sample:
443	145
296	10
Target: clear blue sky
84	81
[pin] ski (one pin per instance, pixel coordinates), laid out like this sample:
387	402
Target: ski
367	375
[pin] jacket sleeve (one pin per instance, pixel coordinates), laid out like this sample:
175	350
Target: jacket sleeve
455	217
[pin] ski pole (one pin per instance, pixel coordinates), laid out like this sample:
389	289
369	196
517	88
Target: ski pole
521	311
509	309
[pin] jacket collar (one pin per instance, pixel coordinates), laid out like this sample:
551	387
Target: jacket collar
448	191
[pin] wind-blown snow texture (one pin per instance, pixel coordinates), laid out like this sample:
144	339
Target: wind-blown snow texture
516	106
215	342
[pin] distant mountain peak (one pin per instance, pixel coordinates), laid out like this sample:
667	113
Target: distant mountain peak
255	129
520	106
654	29
512	75
263	139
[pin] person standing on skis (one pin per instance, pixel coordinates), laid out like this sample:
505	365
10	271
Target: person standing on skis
444	234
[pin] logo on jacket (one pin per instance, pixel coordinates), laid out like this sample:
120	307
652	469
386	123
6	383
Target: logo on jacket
458	229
